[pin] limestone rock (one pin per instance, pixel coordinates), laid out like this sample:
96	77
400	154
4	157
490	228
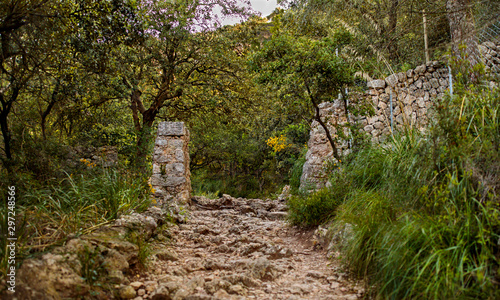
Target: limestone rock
167	255
49	277
136	285
376	84
420	69
262	269
127	292
171	129
392	80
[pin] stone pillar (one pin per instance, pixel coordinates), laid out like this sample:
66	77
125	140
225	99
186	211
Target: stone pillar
171	176
320	153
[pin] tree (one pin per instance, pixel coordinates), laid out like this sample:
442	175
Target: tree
45	59
27	30
463	30
182	51
385	30
307	70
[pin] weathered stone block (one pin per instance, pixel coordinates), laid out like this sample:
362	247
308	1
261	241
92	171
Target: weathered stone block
392	80
421	102
433	93
409	99
171	129
418	84
436	64
434	83
420	69
399	119
166	180
378	125
376	84
384	97
386	131
397	110
401	76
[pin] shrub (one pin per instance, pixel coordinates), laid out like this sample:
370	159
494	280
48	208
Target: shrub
425	209
318	207
296	171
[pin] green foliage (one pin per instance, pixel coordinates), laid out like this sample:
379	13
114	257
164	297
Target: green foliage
465	76
304	71
386	34
424	209
303	67
296	171
92	266
75	205
314	209
108	190
144	249
318	207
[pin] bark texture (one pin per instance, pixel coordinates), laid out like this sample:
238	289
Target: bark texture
463	31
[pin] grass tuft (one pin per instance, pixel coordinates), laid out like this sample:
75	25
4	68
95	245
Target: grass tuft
46	216
424	209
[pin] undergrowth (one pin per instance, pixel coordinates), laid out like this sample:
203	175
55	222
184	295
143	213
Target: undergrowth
75	205
424	208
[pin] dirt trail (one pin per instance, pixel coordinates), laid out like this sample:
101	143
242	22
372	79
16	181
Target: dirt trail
241	249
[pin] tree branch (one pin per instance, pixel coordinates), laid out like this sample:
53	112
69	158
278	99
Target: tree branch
318	118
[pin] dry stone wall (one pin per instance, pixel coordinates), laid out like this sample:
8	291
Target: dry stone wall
491	55
171	175
413	93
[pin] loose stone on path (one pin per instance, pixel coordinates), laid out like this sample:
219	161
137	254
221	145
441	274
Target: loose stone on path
232	248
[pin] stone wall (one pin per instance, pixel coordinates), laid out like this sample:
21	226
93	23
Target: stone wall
171	175
491	55
413	93
320	153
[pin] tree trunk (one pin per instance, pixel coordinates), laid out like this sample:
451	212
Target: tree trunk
6	135
144	130
463	30
317	117
45	114
392	34
144	142
4	126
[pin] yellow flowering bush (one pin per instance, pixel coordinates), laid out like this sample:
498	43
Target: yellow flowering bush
87	162
278	143
151	189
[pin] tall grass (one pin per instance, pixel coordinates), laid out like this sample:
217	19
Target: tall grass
73	206
425	208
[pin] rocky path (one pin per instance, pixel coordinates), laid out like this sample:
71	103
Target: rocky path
240	249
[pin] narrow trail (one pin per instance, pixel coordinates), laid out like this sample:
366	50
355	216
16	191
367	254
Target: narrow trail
242	249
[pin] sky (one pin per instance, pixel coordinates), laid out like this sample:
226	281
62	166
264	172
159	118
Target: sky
265	7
